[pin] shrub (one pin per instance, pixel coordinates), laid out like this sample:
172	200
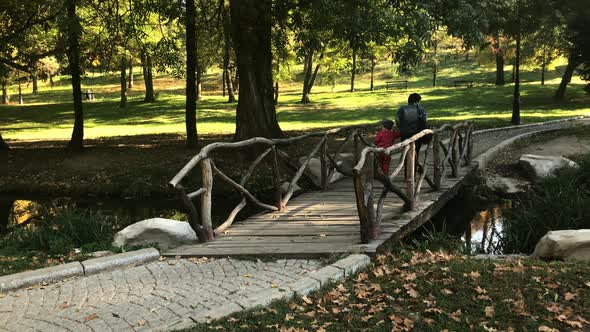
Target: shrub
59	230
556	203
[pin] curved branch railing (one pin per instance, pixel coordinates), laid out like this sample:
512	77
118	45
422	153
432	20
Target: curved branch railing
200	217
448	156
454	153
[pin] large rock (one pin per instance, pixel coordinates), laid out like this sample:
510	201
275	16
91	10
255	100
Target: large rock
566	244
505	185
544	166
314	166
163	232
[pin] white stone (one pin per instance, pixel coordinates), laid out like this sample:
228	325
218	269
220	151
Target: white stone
505	185
352	264
314	166
296	189
565	244
544	166
163	232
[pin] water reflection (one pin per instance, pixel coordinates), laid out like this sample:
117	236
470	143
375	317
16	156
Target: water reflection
478	224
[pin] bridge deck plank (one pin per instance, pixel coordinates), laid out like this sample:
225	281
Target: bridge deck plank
321	223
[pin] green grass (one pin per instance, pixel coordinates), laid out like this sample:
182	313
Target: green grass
48	115
426	291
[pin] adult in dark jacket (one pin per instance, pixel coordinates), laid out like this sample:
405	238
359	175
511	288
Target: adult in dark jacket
411	119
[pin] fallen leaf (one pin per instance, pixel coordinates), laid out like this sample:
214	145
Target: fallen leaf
413	293
141	322
480	290
483	297
447	291
472	274
115	315
64	305
247	276
307	300
544	328
569	296
411	276
574	323
90	317
274	285
456	316
489	310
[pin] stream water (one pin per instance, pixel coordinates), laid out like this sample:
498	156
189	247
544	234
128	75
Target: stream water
479	226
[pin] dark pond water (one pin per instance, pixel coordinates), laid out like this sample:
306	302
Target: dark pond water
478	224
20	210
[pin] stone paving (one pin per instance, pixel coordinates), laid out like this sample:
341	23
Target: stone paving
148	297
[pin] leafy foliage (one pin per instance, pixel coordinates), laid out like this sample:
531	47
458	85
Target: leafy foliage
557	203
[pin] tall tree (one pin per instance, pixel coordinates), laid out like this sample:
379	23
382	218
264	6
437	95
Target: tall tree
74	30
251	29
3	145
192	139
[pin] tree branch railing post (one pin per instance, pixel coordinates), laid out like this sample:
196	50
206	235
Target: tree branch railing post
410	175
436	160
325	181
276	179
206	197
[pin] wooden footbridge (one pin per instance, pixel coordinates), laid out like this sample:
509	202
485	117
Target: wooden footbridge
359	212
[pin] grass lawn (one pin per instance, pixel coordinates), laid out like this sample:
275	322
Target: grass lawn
426	291
48	115
137	150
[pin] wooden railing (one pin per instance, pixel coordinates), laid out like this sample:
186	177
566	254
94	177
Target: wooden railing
453	152
200	216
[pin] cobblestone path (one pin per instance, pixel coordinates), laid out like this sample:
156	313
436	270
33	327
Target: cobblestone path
146	297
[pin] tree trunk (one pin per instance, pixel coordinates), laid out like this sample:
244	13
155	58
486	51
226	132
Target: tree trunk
513	78
123	102
310	76
5	95
191	70
251	25
147	78
130	79
199	81
226	57
516	100
51	80
373	63
20	93
434	72
3	145
435	64
5	211
35	82
353	74
566	79
74	30
499	61
231	97
543	68
223	91
307	65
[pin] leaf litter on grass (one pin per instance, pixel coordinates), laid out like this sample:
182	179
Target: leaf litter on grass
433	291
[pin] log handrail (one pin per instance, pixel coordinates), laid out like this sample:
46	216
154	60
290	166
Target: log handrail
454	152
200	215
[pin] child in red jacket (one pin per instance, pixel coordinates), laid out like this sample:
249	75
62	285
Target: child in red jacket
385	139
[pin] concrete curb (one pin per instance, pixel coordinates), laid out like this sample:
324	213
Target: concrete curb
337	271
137	257
57	273
537	124
484	159
40	276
